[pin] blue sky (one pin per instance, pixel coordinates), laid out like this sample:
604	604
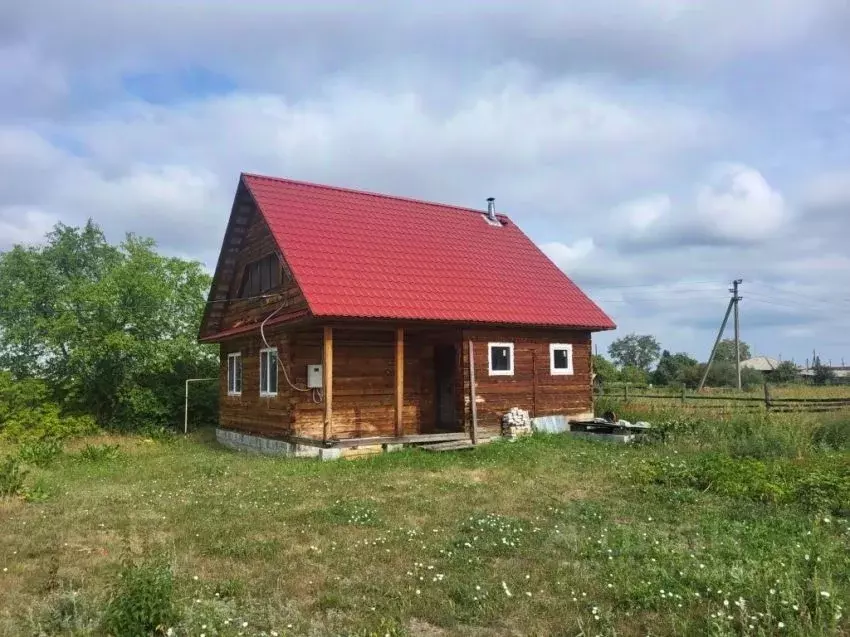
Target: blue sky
655	149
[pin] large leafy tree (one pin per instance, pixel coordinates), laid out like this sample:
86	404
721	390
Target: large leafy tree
785	372
634	350
111	328
675	369
726	351
604	370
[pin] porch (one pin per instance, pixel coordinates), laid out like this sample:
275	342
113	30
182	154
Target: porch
380	385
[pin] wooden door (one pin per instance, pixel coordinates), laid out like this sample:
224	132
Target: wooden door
445	375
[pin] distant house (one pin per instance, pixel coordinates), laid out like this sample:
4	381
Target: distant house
840	373
351	318
763	364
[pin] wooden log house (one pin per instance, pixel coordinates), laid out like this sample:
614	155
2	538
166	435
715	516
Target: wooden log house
351	318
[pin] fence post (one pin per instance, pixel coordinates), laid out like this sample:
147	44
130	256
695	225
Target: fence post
767	399
683	394
626	392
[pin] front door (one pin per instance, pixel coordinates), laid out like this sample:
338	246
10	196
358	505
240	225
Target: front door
445	373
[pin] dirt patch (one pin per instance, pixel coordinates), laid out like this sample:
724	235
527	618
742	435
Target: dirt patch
421	628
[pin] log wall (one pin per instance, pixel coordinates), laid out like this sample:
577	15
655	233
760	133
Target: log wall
250	412
364	381
532	386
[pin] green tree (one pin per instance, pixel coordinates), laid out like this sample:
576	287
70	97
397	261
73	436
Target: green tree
823	375
635	350
604	370
674	369
785	372
111	328
723	374
726	350
634	376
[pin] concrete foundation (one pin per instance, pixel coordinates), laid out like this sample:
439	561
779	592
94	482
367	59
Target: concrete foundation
268	446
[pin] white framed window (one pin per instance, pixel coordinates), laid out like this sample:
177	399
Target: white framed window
234	374
561	359
268	372
500	359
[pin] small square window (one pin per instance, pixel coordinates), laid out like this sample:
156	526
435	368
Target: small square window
561	359
234	374
268	372
500	359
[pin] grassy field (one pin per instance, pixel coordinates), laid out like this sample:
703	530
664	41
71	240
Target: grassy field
744	531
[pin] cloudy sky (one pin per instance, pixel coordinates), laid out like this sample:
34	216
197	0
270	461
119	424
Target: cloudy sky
655	149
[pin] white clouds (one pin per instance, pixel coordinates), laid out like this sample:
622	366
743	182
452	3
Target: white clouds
560	110
168	171
257	40
738	205
23	226
566	255
829	192
641	215
735	206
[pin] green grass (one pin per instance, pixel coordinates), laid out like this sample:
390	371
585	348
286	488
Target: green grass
544	536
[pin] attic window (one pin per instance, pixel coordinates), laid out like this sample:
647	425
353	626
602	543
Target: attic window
260	277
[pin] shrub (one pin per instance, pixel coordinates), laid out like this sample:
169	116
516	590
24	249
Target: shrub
40	452
45	421
159	433
99	453
38	492
11	477
142	600
833	432
824	486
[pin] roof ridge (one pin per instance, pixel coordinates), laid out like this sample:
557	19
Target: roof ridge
370	193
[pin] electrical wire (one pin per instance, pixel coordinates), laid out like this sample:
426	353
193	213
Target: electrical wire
316	394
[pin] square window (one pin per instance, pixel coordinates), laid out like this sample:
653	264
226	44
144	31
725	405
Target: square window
234	374
500	359
268	372
561	359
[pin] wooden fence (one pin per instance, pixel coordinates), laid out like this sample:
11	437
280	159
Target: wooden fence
708	401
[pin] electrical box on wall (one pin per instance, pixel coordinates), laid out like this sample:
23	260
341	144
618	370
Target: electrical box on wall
314	376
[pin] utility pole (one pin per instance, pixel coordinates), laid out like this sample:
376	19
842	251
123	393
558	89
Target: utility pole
737	300
732	302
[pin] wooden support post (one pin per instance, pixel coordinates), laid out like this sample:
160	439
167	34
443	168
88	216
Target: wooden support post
399	380
533	384
327	381
683	394
473	405
767	400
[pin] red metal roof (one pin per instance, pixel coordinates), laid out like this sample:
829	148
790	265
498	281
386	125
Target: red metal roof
364	255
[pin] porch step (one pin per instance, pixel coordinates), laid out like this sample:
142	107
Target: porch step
454	445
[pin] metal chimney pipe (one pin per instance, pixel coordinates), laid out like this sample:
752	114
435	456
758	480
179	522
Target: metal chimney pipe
491	208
